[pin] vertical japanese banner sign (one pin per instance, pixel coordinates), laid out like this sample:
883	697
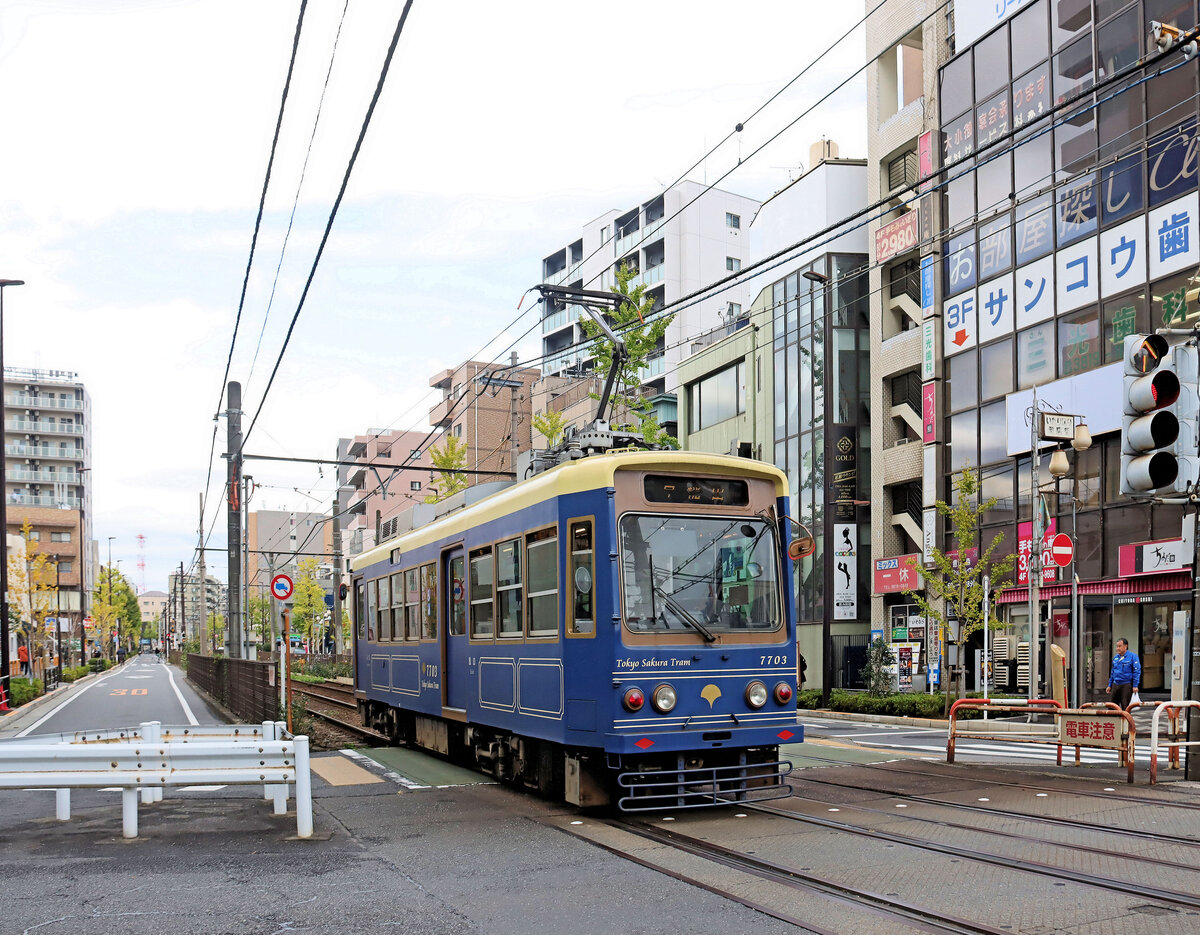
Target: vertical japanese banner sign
933	651
844	477
845	571
929	412
925	160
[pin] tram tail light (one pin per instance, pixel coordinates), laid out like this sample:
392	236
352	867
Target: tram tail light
634	700
783	693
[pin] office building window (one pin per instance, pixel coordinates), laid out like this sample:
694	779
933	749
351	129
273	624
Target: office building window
733	220
414	485
733	264
60	537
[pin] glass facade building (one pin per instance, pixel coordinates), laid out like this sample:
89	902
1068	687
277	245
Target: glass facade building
1058	242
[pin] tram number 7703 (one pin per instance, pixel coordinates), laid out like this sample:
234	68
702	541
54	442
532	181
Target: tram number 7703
772	660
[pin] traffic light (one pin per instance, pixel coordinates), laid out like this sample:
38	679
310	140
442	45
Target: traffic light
1162	410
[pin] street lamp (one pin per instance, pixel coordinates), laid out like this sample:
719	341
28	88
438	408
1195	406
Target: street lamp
4	660
110	539
1067	427
822	280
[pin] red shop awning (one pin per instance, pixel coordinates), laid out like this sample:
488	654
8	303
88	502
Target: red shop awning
1143	584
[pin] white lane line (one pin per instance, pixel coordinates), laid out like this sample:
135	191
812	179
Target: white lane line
53	711
178	694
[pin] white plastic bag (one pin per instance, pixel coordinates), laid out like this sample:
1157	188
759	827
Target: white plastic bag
1136	699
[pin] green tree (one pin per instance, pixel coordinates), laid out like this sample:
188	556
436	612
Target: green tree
551	424
308	602
216	632
258	616
953	588
877	673
32	592
641	338
450	458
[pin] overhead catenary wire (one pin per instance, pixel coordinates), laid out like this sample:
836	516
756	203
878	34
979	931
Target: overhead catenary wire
383	73
287	84
299	185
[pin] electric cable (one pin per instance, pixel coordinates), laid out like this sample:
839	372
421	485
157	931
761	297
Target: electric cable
332	217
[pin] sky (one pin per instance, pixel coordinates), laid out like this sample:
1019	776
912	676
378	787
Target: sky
136	140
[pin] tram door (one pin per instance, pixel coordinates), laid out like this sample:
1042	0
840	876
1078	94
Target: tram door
454	630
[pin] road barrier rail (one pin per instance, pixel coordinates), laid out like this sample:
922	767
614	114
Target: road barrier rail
1104	726
153	758
1173	709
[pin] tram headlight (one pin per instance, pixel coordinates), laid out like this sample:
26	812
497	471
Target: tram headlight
783	693
663	698
756	694
634	700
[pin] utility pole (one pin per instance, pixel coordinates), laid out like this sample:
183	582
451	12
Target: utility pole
203	579
514	386
183	606
337	581
233	616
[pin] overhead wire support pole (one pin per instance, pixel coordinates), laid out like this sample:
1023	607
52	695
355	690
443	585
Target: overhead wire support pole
233	616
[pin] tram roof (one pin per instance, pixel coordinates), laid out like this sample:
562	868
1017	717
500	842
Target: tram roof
590	473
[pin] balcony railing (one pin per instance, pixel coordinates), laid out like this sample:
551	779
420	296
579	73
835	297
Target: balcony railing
561	317
654	366
42	402
66	503
623	245
653	275
43	477
42	427
26	450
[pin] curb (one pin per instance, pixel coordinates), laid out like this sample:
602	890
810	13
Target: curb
10	719
872	718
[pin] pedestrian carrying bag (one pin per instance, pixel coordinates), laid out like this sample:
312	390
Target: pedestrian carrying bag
1136	699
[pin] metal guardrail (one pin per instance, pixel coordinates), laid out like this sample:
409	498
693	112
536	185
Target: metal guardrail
148	758
1173	709
1060	733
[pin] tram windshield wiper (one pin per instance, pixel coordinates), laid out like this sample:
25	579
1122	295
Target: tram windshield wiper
681	612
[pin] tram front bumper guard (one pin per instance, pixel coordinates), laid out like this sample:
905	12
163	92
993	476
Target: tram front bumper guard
704	787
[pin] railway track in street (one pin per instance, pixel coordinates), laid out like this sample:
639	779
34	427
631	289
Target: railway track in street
334	703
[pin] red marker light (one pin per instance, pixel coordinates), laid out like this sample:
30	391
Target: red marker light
783	693
634	700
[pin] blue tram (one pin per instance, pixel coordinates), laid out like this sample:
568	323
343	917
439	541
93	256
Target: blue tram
617	629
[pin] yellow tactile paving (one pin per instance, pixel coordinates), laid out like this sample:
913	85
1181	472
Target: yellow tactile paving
339	771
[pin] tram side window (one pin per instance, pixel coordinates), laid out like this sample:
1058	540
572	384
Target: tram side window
397	607
508	586
457	597
582	606
542	552
482	610
429	597
371	610
412	605
360	611
384	618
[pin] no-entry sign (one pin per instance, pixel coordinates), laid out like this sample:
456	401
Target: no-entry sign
1063	550
281	587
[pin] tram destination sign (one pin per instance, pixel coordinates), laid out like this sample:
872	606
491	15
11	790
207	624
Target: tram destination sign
702	491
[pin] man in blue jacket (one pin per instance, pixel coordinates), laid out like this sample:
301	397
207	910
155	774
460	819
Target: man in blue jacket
1125	675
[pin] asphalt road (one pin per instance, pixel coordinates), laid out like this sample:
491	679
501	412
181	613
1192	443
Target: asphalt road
141	689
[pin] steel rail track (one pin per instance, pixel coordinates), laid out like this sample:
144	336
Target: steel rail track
985	809
1040	868
920	919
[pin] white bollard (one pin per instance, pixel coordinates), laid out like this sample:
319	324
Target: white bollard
304	817
129	816
62	804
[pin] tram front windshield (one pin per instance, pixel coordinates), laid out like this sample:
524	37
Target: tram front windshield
698	574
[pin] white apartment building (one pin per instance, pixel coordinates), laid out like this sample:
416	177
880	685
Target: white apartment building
47	479
679	241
